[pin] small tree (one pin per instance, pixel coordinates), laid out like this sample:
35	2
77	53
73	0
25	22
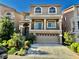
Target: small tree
16	41
6	28
69	38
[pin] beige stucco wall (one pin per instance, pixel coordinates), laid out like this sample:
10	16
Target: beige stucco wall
72	15
4	9
17	16
68	21
45	9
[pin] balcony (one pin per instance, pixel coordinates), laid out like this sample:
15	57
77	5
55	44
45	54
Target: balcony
45	16
45	31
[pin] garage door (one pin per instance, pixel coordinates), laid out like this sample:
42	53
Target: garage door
47	38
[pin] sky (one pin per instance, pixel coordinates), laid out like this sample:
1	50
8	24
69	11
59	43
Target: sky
24	5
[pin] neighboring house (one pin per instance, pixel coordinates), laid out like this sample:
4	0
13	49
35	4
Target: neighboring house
12	13
71	20
44	21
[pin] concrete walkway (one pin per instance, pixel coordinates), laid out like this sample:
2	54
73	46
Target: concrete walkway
55	51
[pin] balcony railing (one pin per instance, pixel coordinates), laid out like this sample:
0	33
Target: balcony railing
57	28
45	31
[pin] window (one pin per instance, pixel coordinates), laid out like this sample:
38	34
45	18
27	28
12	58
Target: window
38	25
78	12
52	10
73	26
8	15
51	24
38	10
78	24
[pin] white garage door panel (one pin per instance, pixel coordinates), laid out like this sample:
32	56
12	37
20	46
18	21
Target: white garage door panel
47	39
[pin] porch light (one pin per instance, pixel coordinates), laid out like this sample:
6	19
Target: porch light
60	35
27	19
60	20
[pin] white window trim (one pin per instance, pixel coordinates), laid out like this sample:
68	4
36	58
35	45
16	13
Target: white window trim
12	14
8	15
52	13
35	9
51	22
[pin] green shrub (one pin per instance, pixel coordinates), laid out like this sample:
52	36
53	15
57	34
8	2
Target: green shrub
0	40
16	36
31	38
22	52
12	50
10	43
18	40
26	44
6	28
69	38
78	49
74	46
1	45
21	41
4	43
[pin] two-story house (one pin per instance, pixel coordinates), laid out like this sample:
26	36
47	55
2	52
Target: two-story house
44	21
71	20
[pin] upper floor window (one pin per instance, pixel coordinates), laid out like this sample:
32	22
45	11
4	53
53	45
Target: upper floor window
38	10
52	10
10	15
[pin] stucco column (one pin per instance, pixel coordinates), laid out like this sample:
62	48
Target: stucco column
21	29
0	12
29	25
60	23
60	28
44	24
76	19
60	37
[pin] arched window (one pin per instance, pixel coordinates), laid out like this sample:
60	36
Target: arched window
8	13
38	10
52	10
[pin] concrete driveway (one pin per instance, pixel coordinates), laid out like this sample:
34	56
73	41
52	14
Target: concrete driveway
55	51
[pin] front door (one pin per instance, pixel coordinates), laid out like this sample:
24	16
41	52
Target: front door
26	29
